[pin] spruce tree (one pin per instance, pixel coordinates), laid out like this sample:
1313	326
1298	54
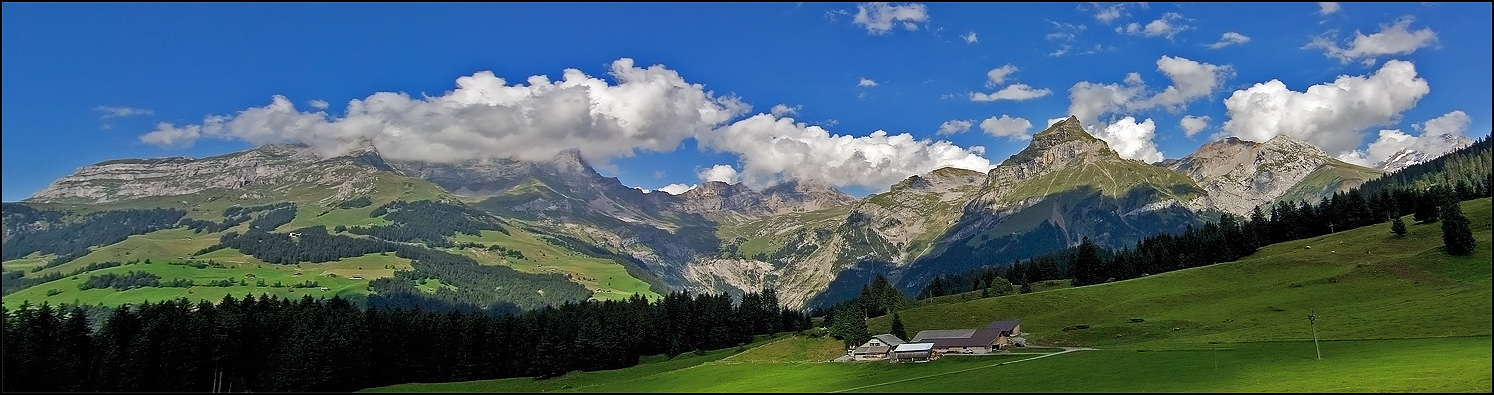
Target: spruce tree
897	327
936	288
1086	266
849	325
1456	234
1398	227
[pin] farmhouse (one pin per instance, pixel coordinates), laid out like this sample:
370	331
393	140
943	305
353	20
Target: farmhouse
877	348
994	336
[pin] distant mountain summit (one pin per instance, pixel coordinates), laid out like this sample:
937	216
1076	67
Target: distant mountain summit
1240	175
1410	156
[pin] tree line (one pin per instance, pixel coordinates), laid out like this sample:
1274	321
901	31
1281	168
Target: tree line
280	345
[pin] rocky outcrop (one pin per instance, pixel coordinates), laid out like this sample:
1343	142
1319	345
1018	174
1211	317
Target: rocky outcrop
715	199
263	172
1240	175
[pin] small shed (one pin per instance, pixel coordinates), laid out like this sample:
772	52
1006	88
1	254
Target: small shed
913	352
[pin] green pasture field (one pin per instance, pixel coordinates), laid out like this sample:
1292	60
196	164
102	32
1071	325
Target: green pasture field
167	244
26	264
605	278
1454	364
647	366
792	349
1459	364
341	278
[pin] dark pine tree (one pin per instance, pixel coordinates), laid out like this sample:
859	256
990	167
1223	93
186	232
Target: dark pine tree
936	288
1456	234
1398	227
897	327
1087	264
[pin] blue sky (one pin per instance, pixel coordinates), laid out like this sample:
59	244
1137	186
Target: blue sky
661	94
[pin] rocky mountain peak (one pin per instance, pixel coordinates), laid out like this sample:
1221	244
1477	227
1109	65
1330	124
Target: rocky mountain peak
1060	145
368	155
716	197
941	179
1240	175
1287	143
714	190
808	195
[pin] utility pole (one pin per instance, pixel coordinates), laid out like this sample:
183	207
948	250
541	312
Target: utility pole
1313	319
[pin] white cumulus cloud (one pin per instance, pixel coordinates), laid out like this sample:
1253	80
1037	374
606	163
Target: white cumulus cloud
1111	13
1392	39
1452	123
997	76
1333	115
1014	92
651	109
879	18
1327	7
866	83
1229	38
773	150
783	110
969	38
1170	24
675	189
954	126
1007	127
723	173
318	104
1192	125
1131	140
1191	80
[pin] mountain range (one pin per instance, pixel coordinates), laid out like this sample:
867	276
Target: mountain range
814	244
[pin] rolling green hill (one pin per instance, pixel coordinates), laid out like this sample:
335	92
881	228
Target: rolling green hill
1395	314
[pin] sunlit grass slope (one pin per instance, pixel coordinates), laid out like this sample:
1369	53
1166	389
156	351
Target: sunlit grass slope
1364	284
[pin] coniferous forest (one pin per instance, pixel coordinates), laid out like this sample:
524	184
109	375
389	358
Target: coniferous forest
279	345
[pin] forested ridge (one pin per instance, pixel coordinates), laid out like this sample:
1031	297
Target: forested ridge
279	345
70	240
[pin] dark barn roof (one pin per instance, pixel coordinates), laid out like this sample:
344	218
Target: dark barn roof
1006	326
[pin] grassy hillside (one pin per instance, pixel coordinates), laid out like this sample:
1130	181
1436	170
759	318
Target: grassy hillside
1334	176
1395	314
606	278
1369	283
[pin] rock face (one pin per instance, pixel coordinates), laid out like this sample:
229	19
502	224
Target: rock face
1411	156
714	199
1240	175
257	173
